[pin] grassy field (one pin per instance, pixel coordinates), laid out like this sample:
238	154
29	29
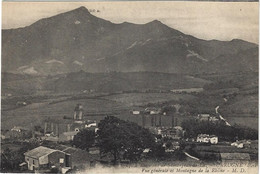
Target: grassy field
251	122
140	99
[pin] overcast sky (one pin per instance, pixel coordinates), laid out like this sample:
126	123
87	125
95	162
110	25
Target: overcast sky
205	20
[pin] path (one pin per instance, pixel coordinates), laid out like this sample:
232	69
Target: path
222	118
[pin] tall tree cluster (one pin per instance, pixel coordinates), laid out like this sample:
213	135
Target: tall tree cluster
123	139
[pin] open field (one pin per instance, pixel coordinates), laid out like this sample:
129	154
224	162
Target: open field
224	149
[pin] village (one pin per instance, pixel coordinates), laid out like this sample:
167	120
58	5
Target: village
50	148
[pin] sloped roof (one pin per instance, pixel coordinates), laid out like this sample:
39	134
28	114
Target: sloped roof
235	156
39	152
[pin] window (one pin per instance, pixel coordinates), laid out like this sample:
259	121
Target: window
61	160
33	161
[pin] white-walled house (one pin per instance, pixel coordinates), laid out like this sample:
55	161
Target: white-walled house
206	138
213	139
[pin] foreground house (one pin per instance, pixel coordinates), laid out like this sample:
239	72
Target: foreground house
62	157
43	157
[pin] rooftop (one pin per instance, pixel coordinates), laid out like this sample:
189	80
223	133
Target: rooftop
39	152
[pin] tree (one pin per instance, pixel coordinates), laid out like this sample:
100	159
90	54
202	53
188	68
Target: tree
10	160
123	139
84	139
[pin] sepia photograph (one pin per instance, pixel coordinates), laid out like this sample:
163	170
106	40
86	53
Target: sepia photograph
145	87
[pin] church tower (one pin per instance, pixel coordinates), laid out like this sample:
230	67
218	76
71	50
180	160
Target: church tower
78	112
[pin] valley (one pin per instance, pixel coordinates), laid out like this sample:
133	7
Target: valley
127	92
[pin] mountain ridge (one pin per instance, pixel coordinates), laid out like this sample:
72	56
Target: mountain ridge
102	46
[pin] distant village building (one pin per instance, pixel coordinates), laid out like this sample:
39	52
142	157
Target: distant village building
89	124
21	103
19	132
242	144
207	117
175	133
19	129
135	112
206	138
152	111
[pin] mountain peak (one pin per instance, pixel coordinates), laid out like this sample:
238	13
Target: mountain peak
155	22
81	9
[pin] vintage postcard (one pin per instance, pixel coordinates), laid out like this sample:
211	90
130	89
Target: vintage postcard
129	87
